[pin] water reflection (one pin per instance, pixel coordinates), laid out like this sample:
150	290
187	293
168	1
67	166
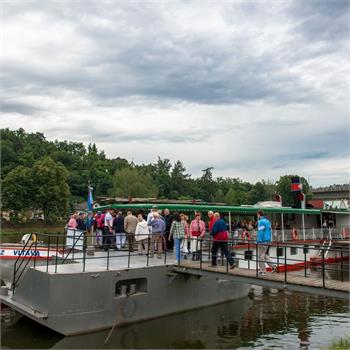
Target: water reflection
268	318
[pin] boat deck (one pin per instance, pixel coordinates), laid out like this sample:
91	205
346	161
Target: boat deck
117	260
274	280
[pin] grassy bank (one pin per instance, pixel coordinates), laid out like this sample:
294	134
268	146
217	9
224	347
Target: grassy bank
341	344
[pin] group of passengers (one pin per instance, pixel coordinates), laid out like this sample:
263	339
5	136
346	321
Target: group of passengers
158	231
155	232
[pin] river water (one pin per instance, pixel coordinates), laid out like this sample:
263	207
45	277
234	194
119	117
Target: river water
267	319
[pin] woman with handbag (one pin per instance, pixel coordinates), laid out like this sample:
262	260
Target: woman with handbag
197	231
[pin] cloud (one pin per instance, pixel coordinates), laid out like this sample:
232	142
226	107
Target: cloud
250	89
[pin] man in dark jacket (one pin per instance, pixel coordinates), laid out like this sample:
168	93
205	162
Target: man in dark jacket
81	224
118	226
220	236
168	221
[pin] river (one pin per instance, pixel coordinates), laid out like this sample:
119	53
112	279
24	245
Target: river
267	319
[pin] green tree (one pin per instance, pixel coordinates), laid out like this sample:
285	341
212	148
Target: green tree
131	182
257	193
208	187
51	188
178	181
18	190
236	197
161	176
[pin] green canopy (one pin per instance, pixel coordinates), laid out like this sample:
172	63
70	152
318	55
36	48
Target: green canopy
205	208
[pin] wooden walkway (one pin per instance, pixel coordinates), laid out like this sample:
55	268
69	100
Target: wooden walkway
333	288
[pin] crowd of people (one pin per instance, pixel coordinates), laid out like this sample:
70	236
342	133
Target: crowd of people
160	230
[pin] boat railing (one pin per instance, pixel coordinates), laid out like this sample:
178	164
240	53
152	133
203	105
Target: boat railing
21	259
309	259
240	250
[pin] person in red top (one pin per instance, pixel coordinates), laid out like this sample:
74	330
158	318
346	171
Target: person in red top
212	220
197	230
98	226
220	237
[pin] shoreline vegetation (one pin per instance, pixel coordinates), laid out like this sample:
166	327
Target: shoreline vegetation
339	344
53	176
21	229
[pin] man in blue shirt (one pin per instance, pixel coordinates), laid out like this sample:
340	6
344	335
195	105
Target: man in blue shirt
263	240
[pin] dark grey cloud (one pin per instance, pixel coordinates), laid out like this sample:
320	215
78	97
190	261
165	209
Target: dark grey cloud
139	52
244	86
17	107
322	20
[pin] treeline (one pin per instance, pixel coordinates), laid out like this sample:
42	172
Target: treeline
52	176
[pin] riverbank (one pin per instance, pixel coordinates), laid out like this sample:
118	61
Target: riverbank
13	233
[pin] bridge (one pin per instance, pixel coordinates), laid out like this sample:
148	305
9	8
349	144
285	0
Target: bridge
321	286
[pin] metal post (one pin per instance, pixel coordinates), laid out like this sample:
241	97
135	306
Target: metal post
229	223
256	260
148	245
313	233
209	252
56	252
48	255
282	224
73	244
323	270
285	263
129	250
84	253
341	264
248	256
227	260
304	262
278	257
303	219
201	254
36	249
107	258
164	242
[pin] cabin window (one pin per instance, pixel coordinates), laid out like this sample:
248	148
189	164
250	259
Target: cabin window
280	251
306	249
129	287
293	250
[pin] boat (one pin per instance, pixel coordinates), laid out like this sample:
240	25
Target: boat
82	293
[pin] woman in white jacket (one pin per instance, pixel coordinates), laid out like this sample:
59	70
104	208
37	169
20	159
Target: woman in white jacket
141	234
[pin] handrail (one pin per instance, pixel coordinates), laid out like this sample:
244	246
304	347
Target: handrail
15	270
205	249
73	246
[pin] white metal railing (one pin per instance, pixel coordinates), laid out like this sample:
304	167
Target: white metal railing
286	234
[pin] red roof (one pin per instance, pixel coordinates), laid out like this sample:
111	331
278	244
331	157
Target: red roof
316	203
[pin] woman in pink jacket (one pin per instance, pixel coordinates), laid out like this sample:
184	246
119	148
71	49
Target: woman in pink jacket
197	231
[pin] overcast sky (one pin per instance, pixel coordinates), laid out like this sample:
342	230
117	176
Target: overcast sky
255	89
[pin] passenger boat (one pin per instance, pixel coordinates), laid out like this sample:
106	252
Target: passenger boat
82	294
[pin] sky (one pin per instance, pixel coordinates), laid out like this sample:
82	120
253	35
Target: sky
255	89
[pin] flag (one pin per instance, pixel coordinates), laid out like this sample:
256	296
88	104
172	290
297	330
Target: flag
90	200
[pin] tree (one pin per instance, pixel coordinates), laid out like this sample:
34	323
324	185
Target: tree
51	188
18	190
257	193
208	186
178	181
236	197
130	182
